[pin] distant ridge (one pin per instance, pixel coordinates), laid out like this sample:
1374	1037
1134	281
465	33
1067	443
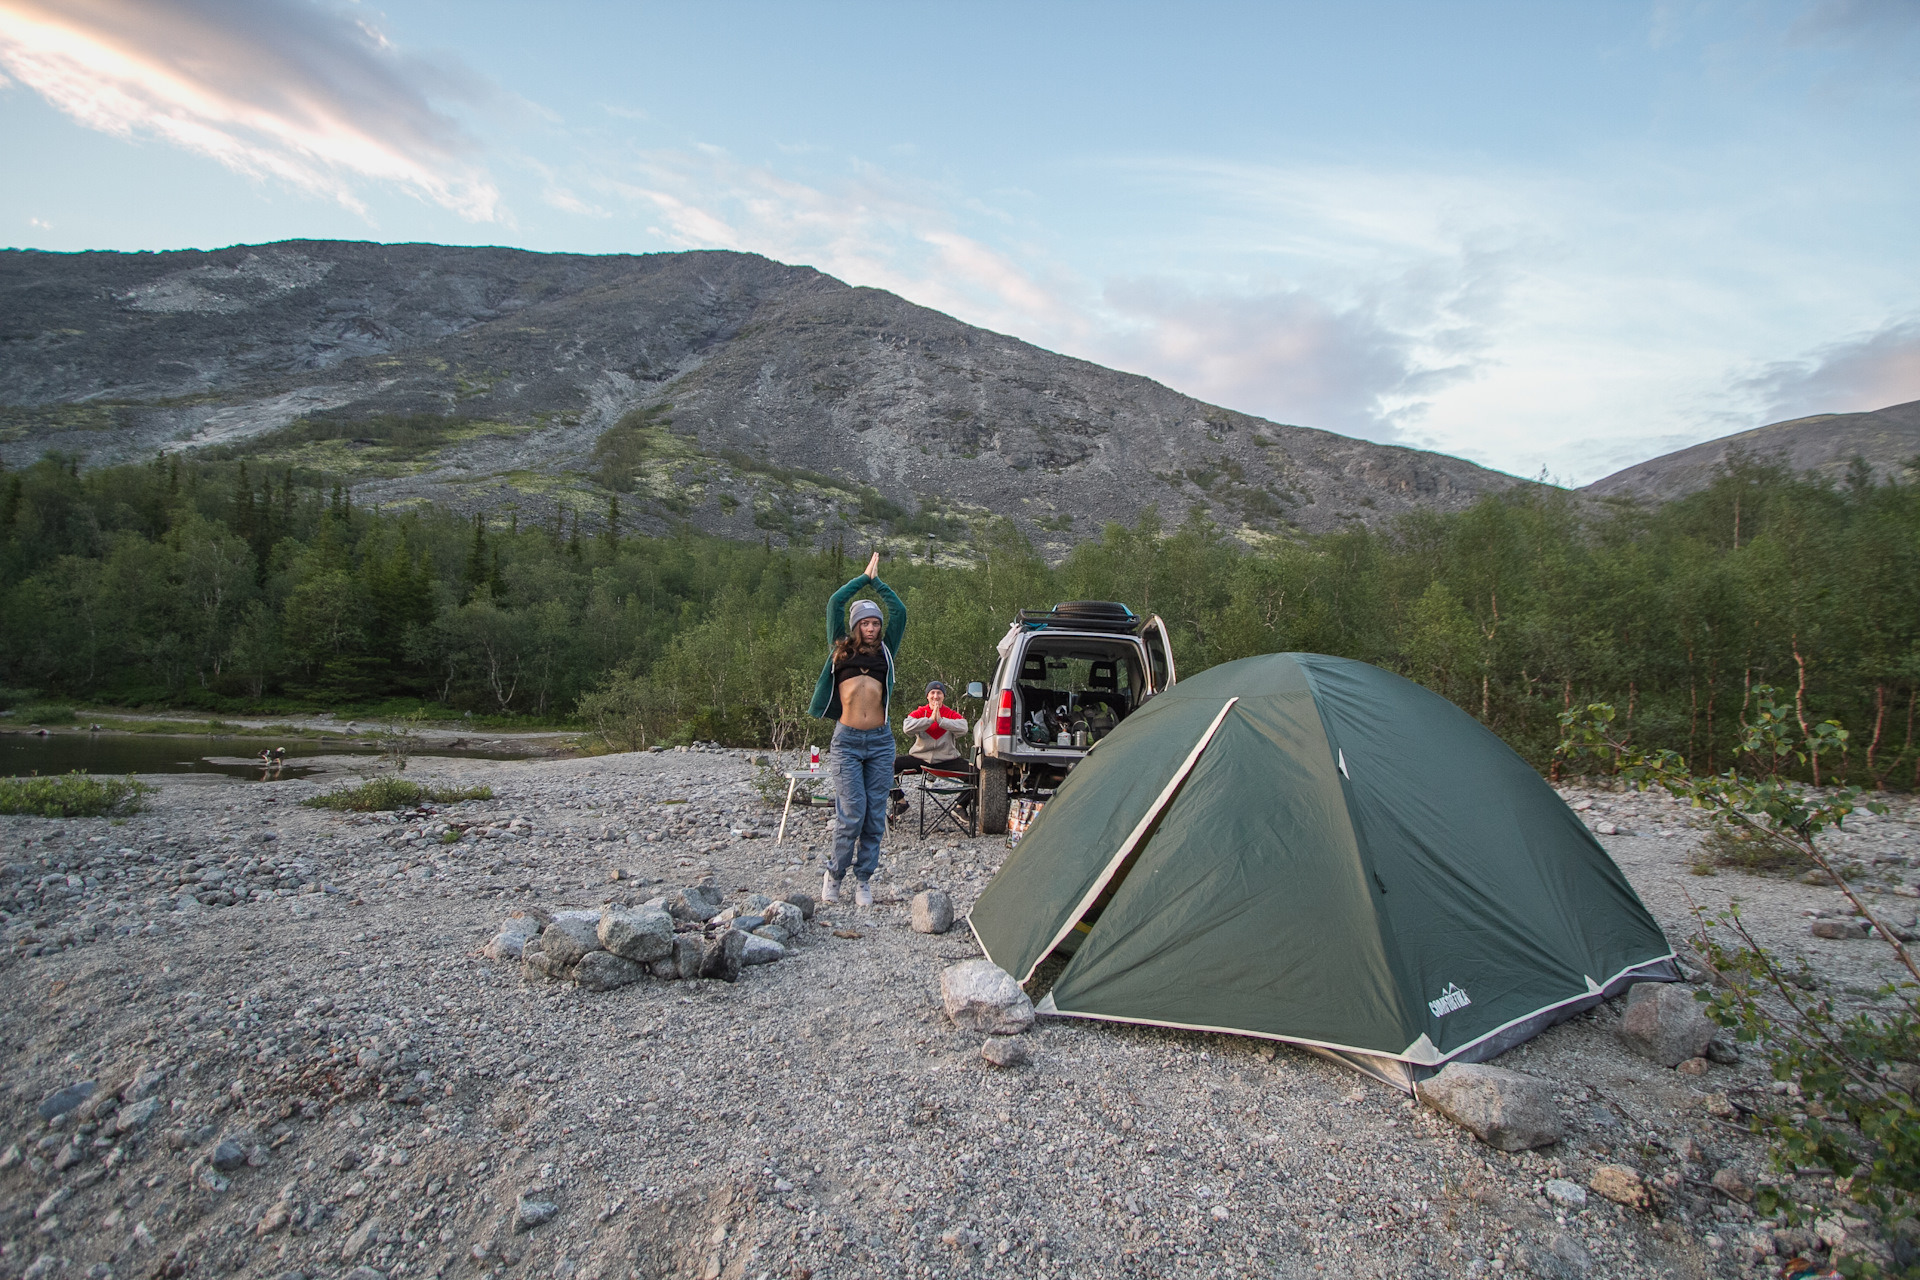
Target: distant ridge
1887	438
740	395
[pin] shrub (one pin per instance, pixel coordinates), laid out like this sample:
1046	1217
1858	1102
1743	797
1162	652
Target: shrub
43	713
1847	1136
393	793
73	795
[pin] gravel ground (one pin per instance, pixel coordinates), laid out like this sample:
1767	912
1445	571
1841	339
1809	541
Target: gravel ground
319	1072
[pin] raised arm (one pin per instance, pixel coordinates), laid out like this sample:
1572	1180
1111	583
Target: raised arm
896	615
837	608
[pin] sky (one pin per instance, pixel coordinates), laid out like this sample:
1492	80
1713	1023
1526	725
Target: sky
1553	239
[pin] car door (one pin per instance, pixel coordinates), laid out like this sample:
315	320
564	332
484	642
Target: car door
1159	653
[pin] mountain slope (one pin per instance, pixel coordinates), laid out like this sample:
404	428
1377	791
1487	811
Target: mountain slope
725	389
1887	438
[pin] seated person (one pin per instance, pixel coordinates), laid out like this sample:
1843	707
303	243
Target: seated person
935	729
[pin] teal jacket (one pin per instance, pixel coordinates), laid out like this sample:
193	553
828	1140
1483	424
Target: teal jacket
826	698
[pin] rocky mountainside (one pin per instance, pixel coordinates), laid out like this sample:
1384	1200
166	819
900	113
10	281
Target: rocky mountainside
1888	439
737	393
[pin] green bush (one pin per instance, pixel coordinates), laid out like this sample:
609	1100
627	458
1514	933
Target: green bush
43	713
73	795
1846	1137
393	793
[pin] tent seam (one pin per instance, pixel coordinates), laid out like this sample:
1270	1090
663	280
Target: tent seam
1128	845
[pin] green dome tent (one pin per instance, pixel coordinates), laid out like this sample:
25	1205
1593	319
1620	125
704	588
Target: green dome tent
1315	850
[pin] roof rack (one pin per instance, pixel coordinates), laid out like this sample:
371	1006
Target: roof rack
1083	615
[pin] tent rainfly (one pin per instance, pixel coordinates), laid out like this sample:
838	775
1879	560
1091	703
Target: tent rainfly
1314	850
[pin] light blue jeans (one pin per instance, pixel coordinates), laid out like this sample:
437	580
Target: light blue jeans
862	777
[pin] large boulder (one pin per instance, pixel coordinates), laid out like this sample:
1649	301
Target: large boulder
932	912
981	996
1665	1023
638	934
603	971
1504	1109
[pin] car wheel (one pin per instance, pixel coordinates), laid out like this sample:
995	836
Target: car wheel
993	797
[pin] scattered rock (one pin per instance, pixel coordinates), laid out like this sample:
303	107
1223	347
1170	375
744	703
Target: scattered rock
1665	1024
932	912
364	1237
1570	1195
981	996
604	971
138	1114
1728	1182
229	1155
1721	1050
1504	1109
364	1273
529	1213
1694	1067
1720	1107
1840	929
1003	1052
964	1239
638	934
804	901
61	1101
1623	1186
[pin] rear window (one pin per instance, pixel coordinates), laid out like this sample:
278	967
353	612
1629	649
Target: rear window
1071	673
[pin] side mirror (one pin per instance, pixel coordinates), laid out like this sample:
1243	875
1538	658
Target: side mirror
976	690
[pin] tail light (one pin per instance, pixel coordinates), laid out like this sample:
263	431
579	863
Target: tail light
1003	723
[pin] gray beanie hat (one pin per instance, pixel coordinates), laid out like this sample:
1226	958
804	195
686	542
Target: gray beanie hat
864	609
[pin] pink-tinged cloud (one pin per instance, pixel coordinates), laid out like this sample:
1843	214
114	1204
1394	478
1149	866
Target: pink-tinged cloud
1867	372
1288	355
279	89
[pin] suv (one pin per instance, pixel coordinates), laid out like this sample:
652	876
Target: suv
1067	676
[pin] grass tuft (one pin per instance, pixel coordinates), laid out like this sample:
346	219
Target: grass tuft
1741	850
393	793
73	795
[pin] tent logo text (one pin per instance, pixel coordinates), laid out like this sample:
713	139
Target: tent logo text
1451	999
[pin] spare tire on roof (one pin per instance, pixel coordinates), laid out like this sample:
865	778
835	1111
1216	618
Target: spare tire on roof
1104	610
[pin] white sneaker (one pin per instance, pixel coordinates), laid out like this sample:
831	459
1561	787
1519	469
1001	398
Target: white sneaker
862	894
829	888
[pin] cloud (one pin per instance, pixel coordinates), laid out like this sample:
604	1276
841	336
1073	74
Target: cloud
1288	355
283	89
1871	371
1362	358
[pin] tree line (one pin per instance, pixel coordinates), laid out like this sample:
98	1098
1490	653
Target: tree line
193	582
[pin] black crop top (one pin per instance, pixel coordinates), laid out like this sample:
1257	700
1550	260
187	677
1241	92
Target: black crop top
861	664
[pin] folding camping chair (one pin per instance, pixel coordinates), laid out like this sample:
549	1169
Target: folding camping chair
951	792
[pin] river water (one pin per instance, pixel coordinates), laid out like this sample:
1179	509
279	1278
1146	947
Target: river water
65	751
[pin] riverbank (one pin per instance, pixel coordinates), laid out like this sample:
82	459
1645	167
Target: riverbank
310	987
